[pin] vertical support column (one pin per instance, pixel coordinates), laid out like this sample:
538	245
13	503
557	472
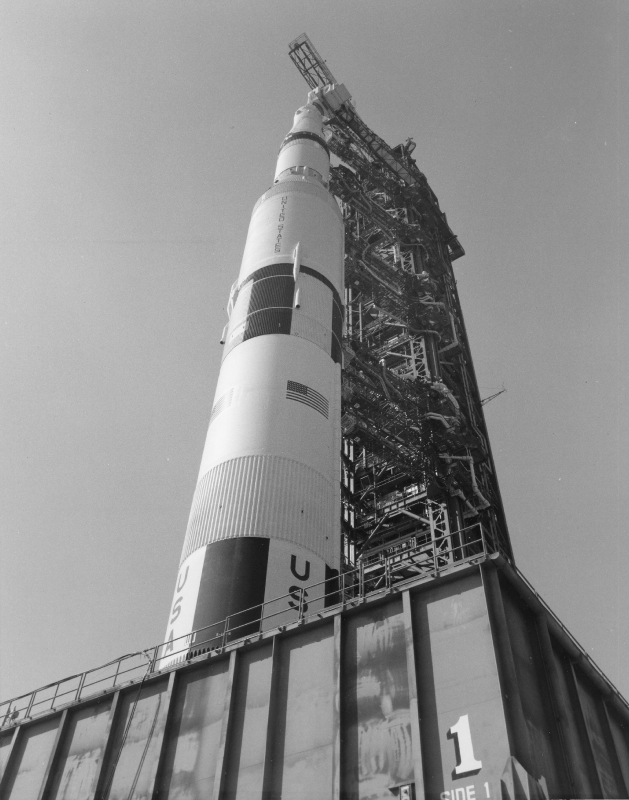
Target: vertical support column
228	708
519	743
569	745
418	766
97	787
269	754
170	691
44	790
336	708
620	776
598	791
13	748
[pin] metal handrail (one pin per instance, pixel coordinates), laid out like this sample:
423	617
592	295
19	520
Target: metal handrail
352	585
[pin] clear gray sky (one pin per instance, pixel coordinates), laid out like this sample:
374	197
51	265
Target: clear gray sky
136	137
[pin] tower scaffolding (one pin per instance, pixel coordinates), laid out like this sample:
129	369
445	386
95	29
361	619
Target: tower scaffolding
417	466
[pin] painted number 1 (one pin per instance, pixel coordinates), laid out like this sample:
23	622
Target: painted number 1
467	762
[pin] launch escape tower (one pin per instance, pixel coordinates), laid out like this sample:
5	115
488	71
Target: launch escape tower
400	653
417	469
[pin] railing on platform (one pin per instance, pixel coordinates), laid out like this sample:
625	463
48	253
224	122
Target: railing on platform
379	570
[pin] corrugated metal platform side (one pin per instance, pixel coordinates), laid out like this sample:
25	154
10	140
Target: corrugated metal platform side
463	687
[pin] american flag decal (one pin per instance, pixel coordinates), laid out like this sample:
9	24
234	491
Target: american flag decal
221	404
307	396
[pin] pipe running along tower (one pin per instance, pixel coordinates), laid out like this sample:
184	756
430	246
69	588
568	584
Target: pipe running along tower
265	515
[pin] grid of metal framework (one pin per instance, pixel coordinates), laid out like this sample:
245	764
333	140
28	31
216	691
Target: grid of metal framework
417	468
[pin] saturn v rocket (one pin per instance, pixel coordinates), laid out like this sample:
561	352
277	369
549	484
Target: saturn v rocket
265	517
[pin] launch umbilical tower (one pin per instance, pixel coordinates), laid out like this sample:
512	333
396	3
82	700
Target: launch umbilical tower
417	467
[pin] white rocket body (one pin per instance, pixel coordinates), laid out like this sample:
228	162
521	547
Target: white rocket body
265	518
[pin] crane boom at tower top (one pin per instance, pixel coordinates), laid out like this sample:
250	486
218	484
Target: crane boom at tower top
317	75
308	61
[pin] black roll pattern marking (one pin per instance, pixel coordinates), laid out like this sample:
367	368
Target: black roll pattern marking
270	308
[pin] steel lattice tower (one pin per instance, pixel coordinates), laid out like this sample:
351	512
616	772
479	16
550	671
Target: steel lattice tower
417	467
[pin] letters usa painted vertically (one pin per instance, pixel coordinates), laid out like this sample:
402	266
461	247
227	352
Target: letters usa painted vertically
265	513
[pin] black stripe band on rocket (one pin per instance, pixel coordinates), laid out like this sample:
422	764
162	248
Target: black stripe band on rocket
287	269
269	308
220	596
305	135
